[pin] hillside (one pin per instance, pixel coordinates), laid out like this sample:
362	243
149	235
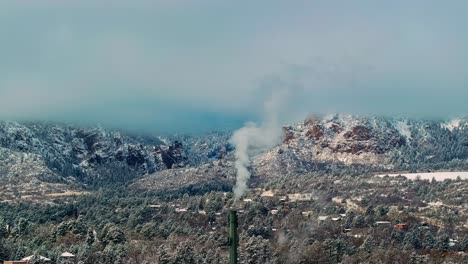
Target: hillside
342	144
59	156
111	197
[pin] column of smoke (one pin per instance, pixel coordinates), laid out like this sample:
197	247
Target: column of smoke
252	139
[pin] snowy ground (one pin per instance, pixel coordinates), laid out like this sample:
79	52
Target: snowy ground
439	176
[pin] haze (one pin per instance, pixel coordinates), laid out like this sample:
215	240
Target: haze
203	65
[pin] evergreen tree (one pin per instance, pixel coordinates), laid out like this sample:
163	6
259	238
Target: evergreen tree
112	234
4	250
398	235
162	256
257	250
90	237
214	257
185	254
429	241
3	229
443	242
369	244
359	221
464	243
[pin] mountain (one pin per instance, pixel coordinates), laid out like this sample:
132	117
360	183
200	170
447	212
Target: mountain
311	193
43	158
336	144
66	156
376	143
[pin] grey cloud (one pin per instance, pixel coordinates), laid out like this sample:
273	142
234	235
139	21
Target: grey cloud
175	64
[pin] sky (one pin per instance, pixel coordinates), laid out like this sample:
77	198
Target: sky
180	65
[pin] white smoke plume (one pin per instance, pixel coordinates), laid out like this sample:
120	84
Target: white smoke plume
252	139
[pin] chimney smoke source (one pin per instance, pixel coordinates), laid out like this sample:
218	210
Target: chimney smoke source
252	139
233	237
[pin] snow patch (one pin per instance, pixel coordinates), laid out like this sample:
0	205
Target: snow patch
451	125
404	129
438	176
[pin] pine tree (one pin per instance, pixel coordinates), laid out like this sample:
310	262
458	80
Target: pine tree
4	250
90	237
214	257
398	235
3	230
163	256
409	241
464	243
429	241
443	242
185	254
359	221
257	250
369	244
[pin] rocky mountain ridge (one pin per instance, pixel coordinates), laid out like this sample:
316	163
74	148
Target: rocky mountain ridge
376	143
343	144
68	155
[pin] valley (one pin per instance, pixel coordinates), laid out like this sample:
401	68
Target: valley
111	197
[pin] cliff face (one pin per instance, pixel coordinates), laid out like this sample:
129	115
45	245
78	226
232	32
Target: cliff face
322	143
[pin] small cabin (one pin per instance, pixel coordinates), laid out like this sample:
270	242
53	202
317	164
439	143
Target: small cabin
383	223
42	258
401	227
322	218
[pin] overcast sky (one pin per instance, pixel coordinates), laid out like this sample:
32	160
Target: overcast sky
209	64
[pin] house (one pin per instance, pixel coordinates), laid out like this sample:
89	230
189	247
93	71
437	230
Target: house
402	227
300	197
67	255
339	200
383	223
269	193
356	232
307	213
181	210
322	218
27	259
452	242
274	212
15	262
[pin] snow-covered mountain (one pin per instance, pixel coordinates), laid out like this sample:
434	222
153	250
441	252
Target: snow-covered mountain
52	153
338	144
67	156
